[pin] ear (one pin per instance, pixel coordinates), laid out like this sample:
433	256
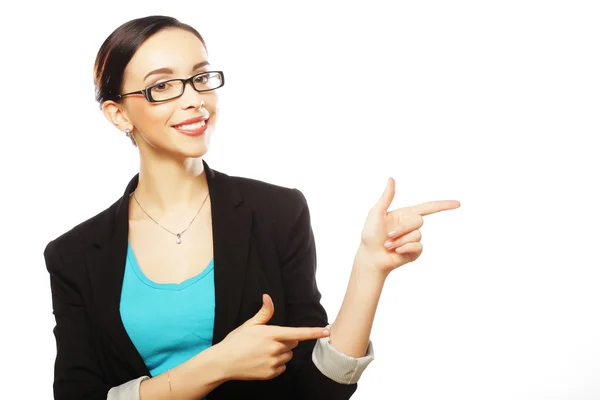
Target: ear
115	114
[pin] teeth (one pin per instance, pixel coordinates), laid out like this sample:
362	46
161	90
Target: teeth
192	127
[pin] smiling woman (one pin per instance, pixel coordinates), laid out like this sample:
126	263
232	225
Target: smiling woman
196	283
147	65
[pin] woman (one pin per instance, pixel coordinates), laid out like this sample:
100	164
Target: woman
196	283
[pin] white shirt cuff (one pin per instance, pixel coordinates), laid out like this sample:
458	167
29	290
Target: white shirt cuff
128	391
338	366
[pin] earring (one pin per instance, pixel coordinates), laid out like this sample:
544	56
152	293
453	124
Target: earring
129	134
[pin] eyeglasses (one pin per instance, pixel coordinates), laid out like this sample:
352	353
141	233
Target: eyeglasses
173	88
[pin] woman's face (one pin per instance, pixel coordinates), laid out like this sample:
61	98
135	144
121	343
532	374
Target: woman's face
169	54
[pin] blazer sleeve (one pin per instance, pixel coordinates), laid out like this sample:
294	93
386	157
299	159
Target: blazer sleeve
77	375
76	372
303	308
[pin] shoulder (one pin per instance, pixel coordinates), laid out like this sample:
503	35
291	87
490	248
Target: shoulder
281	214
270	199
82	236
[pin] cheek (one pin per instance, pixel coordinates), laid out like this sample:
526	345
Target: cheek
212	104
152	120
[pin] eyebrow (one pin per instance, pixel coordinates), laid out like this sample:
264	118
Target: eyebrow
170	71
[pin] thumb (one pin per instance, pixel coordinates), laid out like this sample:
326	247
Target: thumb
265	313
387	197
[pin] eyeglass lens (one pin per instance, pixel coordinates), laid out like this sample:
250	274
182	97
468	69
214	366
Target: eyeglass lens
170	89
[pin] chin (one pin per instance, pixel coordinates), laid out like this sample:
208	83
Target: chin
193	147
194	150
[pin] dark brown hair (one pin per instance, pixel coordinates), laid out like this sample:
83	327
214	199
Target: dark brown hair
118	49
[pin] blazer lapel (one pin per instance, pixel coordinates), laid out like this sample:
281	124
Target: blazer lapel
107	269
231	226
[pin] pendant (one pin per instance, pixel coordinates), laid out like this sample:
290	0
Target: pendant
178	239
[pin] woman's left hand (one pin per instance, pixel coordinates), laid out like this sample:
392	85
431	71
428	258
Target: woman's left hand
392	239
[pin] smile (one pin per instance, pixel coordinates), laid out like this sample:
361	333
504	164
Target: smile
193	129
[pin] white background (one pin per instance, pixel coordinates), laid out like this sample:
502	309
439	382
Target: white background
493	103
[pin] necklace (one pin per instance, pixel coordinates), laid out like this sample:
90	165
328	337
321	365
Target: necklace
177	235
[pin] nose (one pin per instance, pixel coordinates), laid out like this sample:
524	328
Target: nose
192	98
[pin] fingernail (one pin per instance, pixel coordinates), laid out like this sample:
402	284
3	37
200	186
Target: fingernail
388	244
392	233
326	331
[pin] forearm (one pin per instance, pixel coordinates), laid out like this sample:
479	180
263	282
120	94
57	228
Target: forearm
352	328
191	380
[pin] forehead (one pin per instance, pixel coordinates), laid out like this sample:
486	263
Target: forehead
173	48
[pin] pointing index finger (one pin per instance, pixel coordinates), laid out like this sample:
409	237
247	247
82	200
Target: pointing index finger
299	334
432	207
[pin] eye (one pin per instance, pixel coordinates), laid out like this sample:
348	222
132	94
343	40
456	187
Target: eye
201	79
159	87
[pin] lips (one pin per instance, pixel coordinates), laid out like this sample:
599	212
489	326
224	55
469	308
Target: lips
192	126
191	121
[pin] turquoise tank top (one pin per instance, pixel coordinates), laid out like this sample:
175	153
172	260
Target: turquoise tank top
168	323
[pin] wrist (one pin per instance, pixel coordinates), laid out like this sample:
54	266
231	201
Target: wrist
219	360
364	264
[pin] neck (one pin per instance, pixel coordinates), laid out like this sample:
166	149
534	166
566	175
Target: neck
168	186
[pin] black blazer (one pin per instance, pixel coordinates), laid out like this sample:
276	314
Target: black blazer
263	243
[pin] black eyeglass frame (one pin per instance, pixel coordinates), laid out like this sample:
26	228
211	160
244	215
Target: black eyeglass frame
148	96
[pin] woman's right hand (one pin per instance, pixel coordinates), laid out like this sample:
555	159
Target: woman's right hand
256	351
